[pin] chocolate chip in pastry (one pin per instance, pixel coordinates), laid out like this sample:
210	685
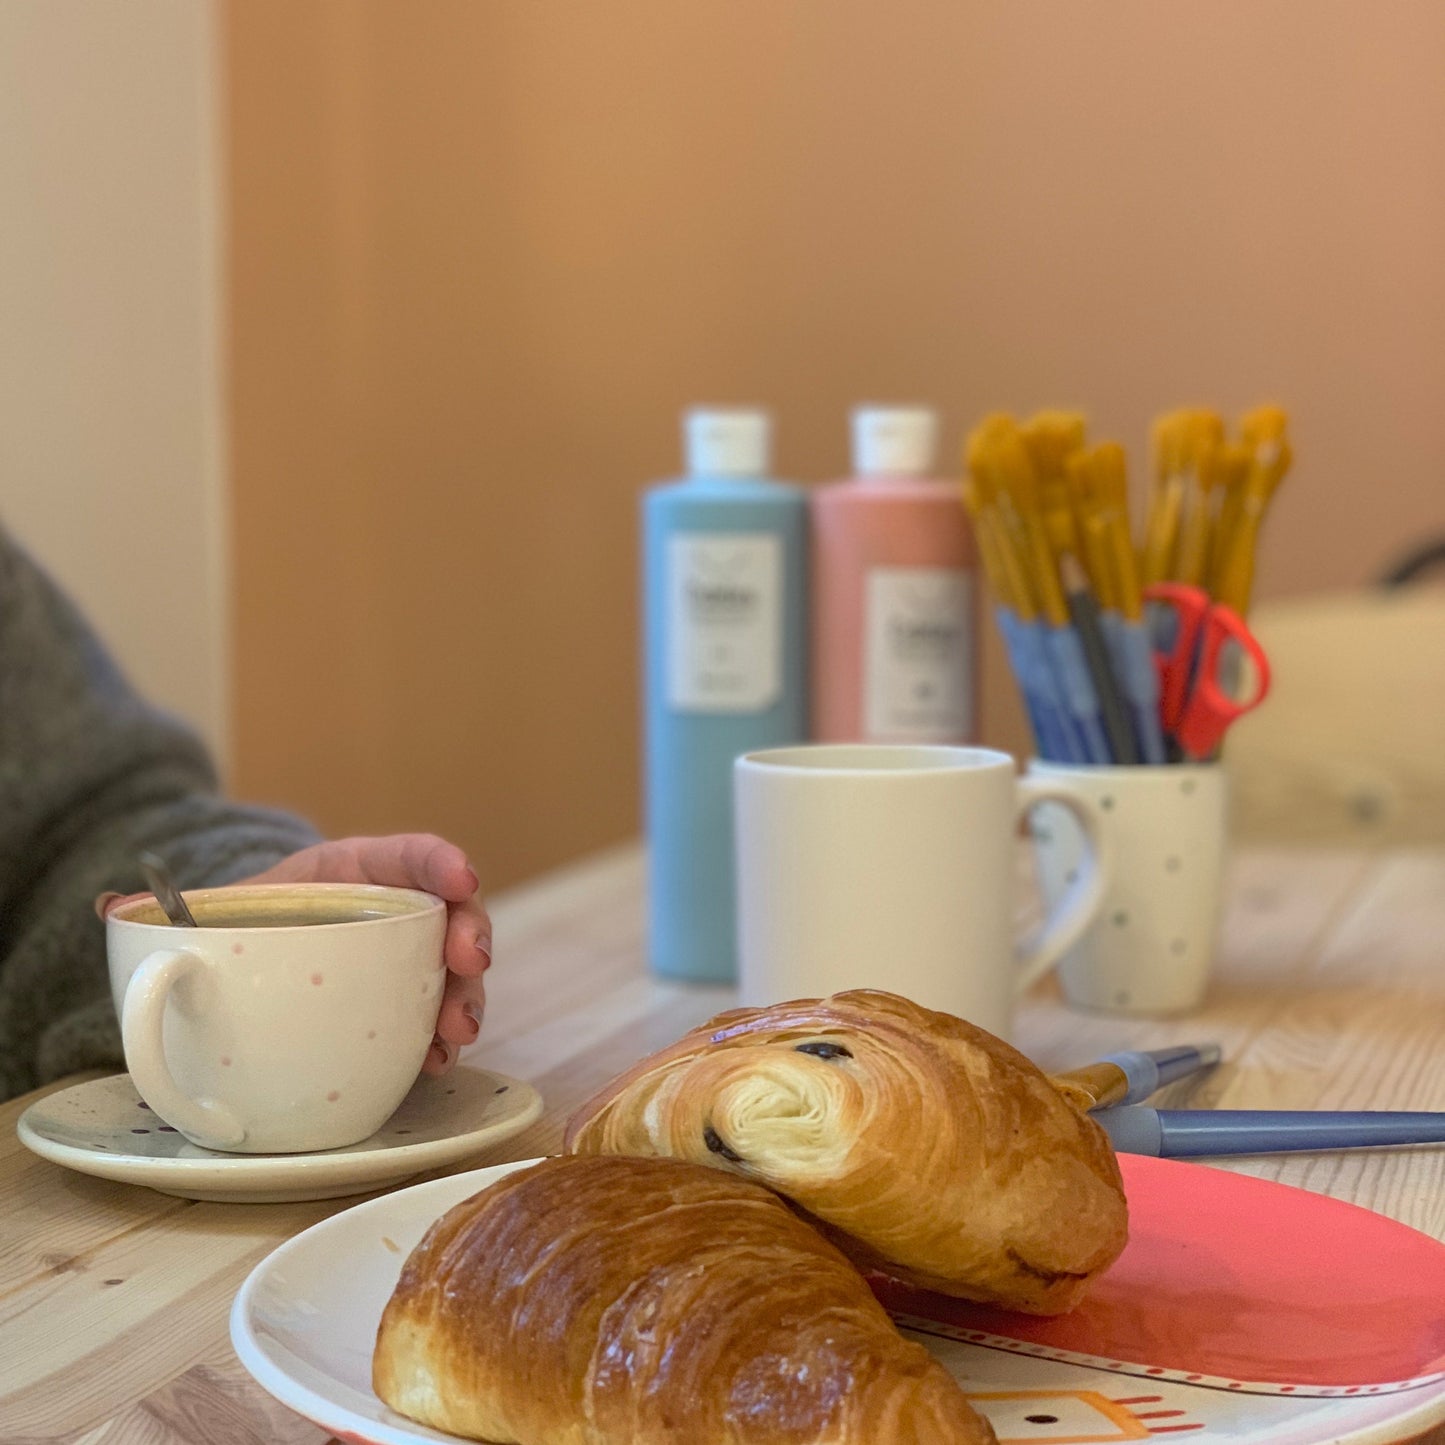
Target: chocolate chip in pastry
927	1148
619	1301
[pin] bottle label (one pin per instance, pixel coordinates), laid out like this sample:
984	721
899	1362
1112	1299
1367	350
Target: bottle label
724	621
918	658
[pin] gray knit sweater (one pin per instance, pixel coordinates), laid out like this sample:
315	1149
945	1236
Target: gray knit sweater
90	775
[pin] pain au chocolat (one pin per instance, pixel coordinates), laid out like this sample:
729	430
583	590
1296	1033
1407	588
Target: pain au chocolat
926	1148
620	1301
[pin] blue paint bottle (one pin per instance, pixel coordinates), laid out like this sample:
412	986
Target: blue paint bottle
725	554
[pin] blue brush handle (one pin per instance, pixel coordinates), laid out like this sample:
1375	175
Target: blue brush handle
1053	729
1139	678
1194	1133
1076	687
1114	710
1017	636
1148	1070
1065	746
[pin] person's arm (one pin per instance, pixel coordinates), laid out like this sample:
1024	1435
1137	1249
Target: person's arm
90	775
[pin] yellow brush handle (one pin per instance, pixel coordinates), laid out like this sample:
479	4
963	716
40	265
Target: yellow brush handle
1233	465
998	579
1226	526
1269	463
1098	557
1177	533
1161	521
1125	568
1012	569
1102	489
1005	576
1044	571
1161	531
1189	565
1051	439
1059	524
1235	579
997	453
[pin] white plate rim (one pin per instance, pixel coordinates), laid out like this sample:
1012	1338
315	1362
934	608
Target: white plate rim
1421	1414
290	1392
259	1171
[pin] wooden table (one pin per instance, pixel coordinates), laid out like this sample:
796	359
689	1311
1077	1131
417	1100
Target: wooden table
1330	993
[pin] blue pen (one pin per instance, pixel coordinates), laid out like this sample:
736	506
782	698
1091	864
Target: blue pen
1134	1074
1195	1133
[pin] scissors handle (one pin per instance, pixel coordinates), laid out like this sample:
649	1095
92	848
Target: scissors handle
1176	661
1210	709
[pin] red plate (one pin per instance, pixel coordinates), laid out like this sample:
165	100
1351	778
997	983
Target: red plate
1239	1282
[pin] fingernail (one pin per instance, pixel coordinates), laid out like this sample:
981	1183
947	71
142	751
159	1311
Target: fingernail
104	900
484	947
473	1012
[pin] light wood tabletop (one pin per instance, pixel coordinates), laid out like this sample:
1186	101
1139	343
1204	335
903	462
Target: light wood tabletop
1329	993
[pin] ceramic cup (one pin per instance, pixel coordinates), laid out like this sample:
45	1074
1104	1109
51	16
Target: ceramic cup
895	868
1152	948
274	1027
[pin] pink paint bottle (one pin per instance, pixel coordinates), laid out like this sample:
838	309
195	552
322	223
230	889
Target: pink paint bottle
895	592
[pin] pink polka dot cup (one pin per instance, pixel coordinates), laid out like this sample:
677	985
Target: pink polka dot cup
294	1018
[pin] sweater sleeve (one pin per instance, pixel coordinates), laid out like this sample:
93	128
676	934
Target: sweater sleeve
90	775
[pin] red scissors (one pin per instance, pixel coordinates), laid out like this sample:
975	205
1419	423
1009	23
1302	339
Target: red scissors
1194	706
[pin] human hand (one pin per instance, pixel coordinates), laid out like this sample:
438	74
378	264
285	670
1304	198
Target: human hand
424	861
407	860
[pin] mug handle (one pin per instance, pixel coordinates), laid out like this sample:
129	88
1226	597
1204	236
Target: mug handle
205	1122
1080	905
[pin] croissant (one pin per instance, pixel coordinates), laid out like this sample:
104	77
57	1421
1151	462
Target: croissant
614	1301
925	1147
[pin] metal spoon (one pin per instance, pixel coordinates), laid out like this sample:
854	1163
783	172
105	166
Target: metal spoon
165	890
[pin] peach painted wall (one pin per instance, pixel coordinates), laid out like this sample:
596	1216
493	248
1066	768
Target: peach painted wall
482	254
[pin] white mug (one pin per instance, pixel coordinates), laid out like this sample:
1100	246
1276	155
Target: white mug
1152	948
895	868
261	1033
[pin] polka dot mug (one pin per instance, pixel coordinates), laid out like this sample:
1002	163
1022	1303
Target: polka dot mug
295	1017
1151	947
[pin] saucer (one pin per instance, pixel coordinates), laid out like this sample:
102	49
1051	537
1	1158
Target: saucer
103	1127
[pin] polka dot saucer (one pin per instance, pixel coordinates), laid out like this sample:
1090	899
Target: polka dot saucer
102	1127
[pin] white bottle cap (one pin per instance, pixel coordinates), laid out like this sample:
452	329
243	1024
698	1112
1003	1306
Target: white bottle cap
726	442
893	441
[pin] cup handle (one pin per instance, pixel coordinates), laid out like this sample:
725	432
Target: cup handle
1080	905
205	1122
